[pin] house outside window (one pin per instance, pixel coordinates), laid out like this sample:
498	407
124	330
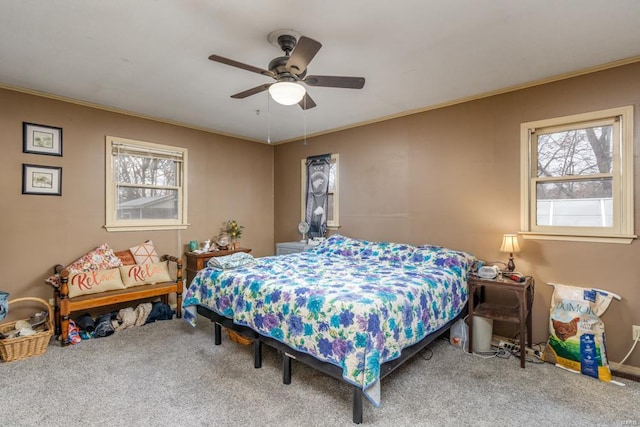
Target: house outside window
145	186
333	214
577	177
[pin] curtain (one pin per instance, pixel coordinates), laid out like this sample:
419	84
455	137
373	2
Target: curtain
317	189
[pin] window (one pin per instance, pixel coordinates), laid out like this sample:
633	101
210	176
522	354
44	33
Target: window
145	186
333	214
577	177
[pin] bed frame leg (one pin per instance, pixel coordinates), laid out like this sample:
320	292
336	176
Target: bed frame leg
286	369
357	405
217	333
257	353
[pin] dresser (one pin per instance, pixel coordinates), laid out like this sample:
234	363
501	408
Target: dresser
292	247
196	262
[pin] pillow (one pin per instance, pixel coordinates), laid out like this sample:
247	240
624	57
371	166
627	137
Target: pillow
101	258
91	282
235	260
387	251
436	256
145	253
142	274
126	257
340	245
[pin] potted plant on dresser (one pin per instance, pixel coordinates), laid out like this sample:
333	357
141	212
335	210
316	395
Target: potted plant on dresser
234	230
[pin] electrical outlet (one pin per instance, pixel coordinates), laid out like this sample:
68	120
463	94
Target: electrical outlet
635	332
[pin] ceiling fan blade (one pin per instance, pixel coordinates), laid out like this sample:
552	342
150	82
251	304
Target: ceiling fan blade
302	54
335	81
240	65
252	91
306	102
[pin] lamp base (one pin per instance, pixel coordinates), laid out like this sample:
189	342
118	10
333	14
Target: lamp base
511	265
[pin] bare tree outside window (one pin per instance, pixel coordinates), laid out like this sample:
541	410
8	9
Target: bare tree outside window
581	159
578	175
580	152
146	184
146	187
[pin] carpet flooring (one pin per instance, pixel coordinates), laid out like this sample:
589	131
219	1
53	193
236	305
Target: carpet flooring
170	374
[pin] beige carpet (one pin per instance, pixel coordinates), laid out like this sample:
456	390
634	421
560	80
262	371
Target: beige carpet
169	374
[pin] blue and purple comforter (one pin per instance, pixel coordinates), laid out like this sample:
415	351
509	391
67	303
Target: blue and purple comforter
353	303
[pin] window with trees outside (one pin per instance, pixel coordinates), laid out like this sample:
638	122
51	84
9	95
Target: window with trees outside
333	214
145	186
577	177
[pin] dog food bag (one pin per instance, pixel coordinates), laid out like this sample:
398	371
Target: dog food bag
576	333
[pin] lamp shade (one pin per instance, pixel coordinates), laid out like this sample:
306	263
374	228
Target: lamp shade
510	243
287	93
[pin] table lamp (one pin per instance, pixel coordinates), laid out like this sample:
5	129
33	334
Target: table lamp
510	245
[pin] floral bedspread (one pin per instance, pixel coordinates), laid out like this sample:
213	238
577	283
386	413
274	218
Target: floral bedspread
352	303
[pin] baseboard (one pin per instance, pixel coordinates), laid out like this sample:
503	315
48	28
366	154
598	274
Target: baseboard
623	371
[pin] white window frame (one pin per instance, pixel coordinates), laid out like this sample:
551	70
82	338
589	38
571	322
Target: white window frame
335	223
112	221
622	229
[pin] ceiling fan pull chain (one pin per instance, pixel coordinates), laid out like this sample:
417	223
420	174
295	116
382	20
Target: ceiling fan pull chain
304	119
268	119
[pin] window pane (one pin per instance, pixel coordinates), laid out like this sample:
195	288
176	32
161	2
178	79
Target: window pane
132	169
583	203
581	151
146	203
332	177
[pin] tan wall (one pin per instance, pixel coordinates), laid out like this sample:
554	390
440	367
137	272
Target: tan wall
451	177
228	179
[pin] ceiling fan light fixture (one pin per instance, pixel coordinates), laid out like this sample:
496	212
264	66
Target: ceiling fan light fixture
287	93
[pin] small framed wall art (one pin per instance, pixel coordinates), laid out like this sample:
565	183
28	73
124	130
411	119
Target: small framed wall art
42	180
41	139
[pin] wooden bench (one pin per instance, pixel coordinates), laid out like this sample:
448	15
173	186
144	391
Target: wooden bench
64	306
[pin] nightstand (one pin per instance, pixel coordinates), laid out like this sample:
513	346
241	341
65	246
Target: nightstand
196	262
519	313
292	247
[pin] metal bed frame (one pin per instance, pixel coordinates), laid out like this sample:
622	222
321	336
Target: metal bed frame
324	367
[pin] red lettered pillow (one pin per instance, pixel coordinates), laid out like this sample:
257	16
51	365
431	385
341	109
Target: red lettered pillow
101	258
142	274
92	282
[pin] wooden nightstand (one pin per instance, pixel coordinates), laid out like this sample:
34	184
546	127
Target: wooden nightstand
196	262
519	313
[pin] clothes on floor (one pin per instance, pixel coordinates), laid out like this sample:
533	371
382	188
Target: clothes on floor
104	327
86	323
84	327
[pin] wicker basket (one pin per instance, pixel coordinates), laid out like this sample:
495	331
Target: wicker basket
236	337
22	347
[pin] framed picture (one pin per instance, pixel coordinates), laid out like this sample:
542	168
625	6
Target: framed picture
40	139
44	180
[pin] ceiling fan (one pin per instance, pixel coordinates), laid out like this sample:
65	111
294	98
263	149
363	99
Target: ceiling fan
290	70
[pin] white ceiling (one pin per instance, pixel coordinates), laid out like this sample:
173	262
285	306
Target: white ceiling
150	56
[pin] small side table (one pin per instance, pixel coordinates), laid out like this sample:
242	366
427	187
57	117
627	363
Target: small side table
196	262
520	313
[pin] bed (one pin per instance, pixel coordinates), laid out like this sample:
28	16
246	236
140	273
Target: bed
351	308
